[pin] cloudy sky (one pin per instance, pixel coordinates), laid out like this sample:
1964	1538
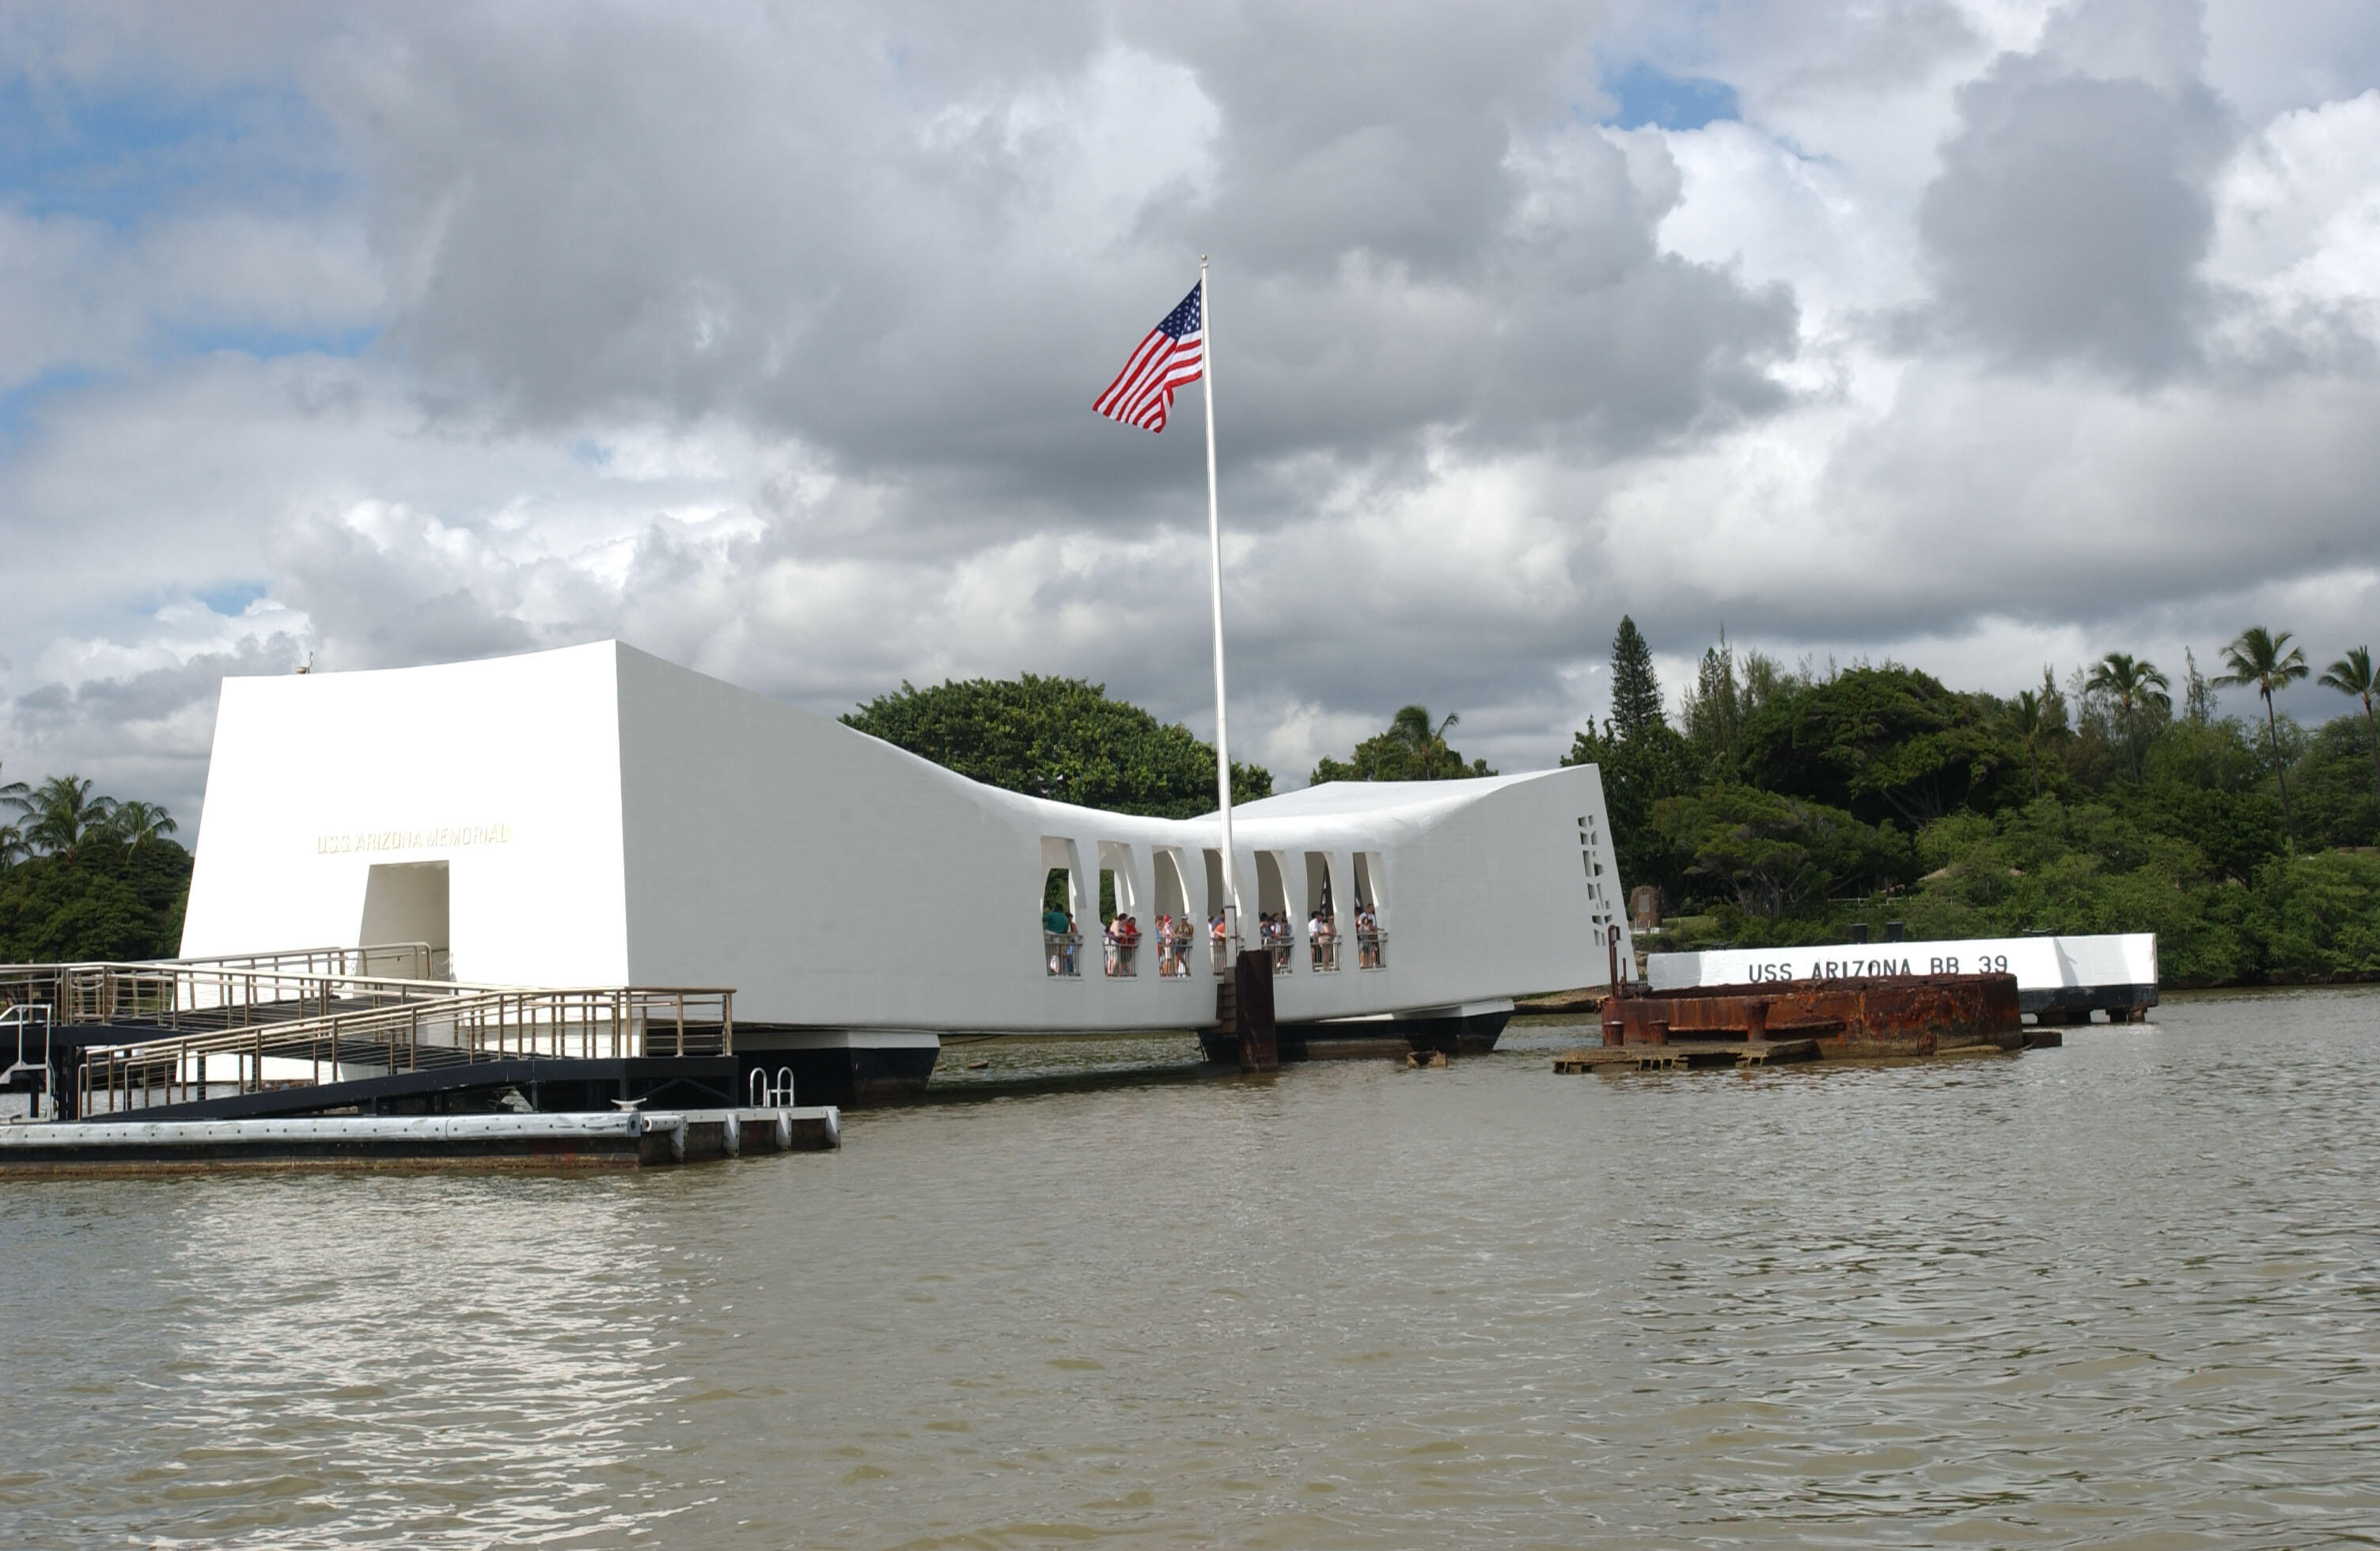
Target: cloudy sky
1976	334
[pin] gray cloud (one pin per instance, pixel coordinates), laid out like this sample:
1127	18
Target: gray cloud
896	261
764	335
143	734
2073	209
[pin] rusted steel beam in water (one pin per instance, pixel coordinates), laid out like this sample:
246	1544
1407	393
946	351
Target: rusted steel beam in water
1252	1010
1897	1016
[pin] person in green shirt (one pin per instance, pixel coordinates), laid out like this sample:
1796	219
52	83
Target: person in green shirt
1059	925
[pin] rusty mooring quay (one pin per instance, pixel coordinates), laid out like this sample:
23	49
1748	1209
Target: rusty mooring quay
1823	1020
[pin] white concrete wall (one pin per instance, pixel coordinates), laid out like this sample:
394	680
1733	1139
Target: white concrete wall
828	877
505	770
663	829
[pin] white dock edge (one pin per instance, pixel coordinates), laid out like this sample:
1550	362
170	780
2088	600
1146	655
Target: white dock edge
625	1139
732	1132
2054	974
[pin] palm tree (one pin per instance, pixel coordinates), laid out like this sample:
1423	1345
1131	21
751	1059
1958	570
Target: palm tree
2029	720
2135	686
13	848
63	812
2351	674
2256	657
136	822
1424	744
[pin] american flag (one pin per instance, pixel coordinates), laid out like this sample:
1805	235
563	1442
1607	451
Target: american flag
1173	355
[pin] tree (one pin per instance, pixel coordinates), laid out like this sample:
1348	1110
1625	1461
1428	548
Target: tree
2351	674
2027	721
2197	695
13	848
2256	657
1058	738
99	901
62	812
138	823
1635	689
1715	708
1414	748
2136	686
1638	773
1773	852
1886	741
1729	689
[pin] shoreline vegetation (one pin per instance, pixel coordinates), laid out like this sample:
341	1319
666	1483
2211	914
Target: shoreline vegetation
1779	806
1788	805
83	875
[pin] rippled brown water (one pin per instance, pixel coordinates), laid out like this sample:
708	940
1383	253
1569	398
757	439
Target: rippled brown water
2122	1293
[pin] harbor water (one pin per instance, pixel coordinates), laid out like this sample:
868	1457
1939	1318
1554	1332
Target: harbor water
2122	1293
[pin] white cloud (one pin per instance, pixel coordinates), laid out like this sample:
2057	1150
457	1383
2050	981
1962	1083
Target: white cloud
764	335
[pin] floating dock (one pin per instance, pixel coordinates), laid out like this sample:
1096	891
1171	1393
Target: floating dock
620	1139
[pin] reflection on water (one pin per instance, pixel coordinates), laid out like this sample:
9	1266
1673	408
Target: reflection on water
2122	1292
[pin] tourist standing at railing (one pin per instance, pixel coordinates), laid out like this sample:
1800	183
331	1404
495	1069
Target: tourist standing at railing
1054	936
1127	945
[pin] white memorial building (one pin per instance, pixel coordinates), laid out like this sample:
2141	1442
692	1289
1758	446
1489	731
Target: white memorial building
597	817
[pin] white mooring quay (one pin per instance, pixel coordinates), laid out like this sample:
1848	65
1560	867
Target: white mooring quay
2059	979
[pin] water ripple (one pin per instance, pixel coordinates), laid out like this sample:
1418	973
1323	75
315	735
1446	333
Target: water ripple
2121	1293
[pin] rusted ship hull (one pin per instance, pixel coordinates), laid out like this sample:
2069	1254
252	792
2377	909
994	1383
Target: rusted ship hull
1899	1015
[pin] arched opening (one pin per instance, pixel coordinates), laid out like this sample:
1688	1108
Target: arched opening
1219	918
1173	930
1321	916
1061	902
1371	927
1120	910
1272	911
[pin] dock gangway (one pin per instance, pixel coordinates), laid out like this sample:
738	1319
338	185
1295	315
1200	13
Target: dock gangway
363	1048
327	1027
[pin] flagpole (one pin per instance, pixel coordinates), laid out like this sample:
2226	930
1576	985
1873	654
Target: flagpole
1215	556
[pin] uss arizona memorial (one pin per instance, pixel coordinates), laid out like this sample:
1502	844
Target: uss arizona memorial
595	816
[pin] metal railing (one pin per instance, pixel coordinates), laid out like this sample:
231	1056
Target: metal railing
459	1028
229	991
1323	952
1173	957
1064	953
1124	959
32	1058
1372	948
